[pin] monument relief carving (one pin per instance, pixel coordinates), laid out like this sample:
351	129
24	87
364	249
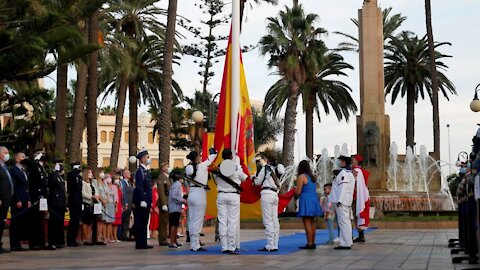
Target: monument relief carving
371	137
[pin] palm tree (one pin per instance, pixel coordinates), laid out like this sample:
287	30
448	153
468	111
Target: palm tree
391	23
433	69
290	38
408	73
319	91
92	90
138	36
167	102
267	128
244	3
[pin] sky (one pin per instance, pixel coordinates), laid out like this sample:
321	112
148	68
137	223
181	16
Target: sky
452	22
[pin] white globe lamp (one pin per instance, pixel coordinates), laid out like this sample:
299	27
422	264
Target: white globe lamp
132	159
197	117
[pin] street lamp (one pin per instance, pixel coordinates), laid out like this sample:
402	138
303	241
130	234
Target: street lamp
475	104
197	117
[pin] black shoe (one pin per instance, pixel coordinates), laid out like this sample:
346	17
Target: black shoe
202	244
359	240
179	244
274	250
340	247
163	244
2	250
201	234
18	249
88	244
264	250
226	252
309	247
52	247
145	247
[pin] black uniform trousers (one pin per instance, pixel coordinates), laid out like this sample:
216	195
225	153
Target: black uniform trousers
73	224
124	228
56	235
140	217
3	216
36	227
18	225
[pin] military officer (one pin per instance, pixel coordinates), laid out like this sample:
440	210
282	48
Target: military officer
57	205
142	200
75	202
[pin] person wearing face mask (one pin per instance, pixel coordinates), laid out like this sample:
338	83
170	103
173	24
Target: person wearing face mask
75	202
163	188
20	203
89	197
118	206
38	187
142	200
112	196
197	174
100	226
127	191
56	205
6	191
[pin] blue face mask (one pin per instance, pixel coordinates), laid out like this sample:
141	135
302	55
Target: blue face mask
463	170
469	165
337	162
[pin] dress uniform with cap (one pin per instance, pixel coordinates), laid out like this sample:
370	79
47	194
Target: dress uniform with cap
342	196
268	179
142	201
228	204
197	198
75	202
38	186
56	205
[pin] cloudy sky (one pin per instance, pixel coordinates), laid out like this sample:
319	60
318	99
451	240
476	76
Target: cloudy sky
453	21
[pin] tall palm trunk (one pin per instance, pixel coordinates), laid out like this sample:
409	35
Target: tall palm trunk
134	97
61	110
117	135
78	121
166	106
295	3
289	125
411	117
92	92
309	125
434	78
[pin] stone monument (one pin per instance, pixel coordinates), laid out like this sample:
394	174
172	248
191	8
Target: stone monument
373	126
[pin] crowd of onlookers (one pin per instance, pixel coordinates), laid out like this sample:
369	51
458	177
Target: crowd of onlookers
97	208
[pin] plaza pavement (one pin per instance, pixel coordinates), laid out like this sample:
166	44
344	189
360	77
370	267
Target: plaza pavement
385	249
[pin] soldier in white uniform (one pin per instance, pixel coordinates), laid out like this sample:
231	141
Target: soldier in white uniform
342	196
269	180
228	204
197	174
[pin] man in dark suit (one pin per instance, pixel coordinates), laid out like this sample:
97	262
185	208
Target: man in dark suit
57	205
142	200
20	203
6	191
74	188
38	184
127	189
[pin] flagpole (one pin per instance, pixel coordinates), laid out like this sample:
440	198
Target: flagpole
235	97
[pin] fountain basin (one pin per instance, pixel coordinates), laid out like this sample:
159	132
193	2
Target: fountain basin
408	201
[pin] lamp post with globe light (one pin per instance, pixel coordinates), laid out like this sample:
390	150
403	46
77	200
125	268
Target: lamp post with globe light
197	117
475	104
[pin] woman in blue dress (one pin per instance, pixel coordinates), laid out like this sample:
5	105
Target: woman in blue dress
308	204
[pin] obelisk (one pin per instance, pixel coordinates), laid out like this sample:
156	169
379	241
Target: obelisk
373	126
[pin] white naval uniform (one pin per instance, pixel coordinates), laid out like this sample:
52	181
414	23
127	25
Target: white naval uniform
228	204
197	201
342	192
269	203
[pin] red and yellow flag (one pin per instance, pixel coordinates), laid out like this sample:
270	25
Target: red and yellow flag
244	147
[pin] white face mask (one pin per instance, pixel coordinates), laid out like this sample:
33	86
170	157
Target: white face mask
6	157
109	180
169	170
149	161
101	175
117	182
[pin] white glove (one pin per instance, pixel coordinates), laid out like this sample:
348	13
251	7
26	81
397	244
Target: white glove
164	208
143	204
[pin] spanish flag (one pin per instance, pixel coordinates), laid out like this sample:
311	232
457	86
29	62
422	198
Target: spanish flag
243	144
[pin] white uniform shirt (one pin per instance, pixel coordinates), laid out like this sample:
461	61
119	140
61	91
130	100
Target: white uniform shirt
267	179
238	177
343	187
202	170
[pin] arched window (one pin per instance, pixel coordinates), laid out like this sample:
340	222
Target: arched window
126	137
110	136
150	137
103	136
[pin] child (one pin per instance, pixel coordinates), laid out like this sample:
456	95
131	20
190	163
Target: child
175	201
329	211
